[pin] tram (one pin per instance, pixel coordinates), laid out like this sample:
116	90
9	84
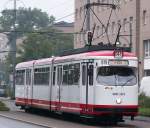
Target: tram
95	84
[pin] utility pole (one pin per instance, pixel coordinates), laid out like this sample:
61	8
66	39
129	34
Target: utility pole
14	47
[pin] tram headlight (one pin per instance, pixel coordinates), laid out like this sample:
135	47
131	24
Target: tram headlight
119	101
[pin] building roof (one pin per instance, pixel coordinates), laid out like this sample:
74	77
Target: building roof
64	24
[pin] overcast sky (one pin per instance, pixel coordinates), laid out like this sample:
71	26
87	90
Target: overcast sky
58	8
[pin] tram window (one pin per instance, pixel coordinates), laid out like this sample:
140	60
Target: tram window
41	76
83	75
28	77
90	73
76	76
20	77
54	75
116	76
70	74
65	75
59	75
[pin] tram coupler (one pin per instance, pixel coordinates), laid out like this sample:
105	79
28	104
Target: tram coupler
132	118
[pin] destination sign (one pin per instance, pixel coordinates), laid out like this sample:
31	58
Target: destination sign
118	62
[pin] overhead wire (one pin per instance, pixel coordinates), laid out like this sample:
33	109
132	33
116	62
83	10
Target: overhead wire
71	14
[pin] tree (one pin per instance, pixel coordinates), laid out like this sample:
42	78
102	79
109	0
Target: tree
38	45
26	19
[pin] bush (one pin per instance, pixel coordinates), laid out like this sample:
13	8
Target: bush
3	107
144	101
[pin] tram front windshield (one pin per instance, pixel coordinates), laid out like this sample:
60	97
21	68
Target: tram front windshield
116	76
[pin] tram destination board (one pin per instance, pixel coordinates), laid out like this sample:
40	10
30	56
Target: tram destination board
118	62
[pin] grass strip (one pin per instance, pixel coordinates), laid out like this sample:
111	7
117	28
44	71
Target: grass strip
144	112
3	107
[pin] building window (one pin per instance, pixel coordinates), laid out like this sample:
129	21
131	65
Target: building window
98	29
119	23
131	19
125	25
144	17
113	27
98	7
103	8
147	48
103	30
81	12
76	14
147	72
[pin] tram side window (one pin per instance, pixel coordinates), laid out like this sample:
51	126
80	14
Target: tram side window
74	74
70	74
65	75
83	75
20	77
59	75
54	75
28	77
41	76
90	73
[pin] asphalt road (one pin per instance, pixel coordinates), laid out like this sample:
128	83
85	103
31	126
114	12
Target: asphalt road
9	123
58	122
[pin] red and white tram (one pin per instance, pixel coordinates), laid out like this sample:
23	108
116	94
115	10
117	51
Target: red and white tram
93	84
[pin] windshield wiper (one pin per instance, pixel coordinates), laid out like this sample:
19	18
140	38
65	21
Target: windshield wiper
128	81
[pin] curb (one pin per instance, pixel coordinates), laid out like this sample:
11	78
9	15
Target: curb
140	118
24	121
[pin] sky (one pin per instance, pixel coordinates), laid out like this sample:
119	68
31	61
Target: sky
57	8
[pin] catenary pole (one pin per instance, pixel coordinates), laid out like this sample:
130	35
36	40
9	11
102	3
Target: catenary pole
14	47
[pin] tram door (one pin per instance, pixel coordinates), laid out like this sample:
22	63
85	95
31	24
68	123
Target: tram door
86	92
59	83
28	87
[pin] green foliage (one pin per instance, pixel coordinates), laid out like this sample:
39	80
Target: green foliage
26	19
37	45
3	107
144	101
144	111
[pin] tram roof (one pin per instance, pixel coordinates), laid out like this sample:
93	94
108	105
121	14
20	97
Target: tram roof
73	57
25	64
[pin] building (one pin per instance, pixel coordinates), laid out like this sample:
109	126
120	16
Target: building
64	27
132	15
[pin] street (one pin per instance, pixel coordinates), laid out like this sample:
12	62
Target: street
12	124
19	118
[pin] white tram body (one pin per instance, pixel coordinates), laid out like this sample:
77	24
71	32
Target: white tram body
89	84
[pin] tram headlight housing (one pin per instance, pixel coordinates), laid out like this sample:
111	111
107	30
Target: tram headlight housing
119	101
